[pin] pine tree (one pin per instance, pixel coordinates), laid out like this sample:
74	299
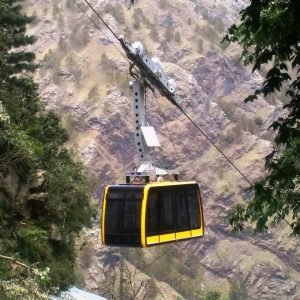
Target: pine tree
14	61
12	36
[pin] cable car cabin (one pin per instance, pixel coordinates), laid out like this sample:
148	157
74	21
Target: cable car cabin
143	215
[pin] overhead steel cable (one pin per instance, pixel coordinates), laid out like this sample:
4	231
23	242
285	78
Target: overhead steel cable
99	28
220	151
219	257
98	15
158	257
96	25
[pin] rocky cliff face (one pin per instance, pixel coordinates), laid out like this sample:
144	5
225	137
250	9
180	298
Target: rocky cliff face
85	79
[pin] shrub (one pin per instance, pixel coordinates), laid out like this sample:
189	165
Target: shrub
79	37
153	33
169	33
116	11
200	46
177	37
229	109
163	4
210	33
94	92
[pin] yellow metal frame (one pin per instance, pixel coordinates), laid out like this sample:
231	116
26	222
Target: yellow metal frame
103	215
169	237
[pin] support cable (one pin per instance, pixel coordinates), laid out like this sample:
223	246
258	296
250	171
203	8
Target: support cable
218	257
206	226
98	15
159	256
218	149
99	28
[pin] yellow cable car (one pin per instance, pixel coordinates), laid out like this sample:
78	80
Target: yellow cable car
154	213
141	213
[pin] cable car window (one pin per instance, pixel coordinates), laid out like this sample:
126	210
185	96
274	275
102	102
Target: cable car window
166	216
131	220
181	212
194	209
152	214
114	216
123	211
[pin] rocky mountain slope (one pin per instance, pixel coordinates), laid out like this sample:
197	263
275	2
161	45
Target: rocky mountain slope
85	78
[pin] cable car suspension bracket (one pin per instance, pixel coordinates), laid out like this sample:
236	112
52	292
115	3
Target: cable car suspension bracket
150	74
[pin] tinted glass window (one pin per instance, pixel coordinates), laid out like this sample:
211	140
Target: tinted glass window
166	216
152	220
172	209
113	218
131	219
123	211
181	212
194	209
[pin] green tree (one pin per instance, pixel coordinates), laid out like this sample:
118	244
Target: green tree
55	10
238	290
269	34
74	67
209	295
12	36
36	226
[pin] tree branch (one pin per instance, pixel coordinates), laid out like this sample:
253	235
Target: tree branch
12	259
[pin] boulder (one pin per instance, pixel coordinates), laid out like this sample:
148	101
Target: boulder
54	233
39	182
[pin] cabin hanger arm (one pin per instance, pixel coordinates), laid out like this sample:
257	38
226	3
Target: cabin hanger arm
151	69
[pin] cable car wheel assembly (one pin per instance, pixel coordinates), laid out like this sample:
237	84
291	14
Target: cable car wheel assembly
149	210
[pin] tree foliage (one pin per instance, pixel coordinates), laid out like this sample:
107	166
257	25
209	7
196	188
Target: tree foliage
269	34
36	226
209	295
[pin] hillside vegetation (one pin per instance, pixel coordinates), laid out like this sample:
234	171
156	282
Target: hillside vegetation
44	194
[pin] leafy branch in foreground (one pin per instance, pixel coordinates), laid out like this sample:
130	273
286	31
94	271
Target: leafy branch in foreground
31	286
269	34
